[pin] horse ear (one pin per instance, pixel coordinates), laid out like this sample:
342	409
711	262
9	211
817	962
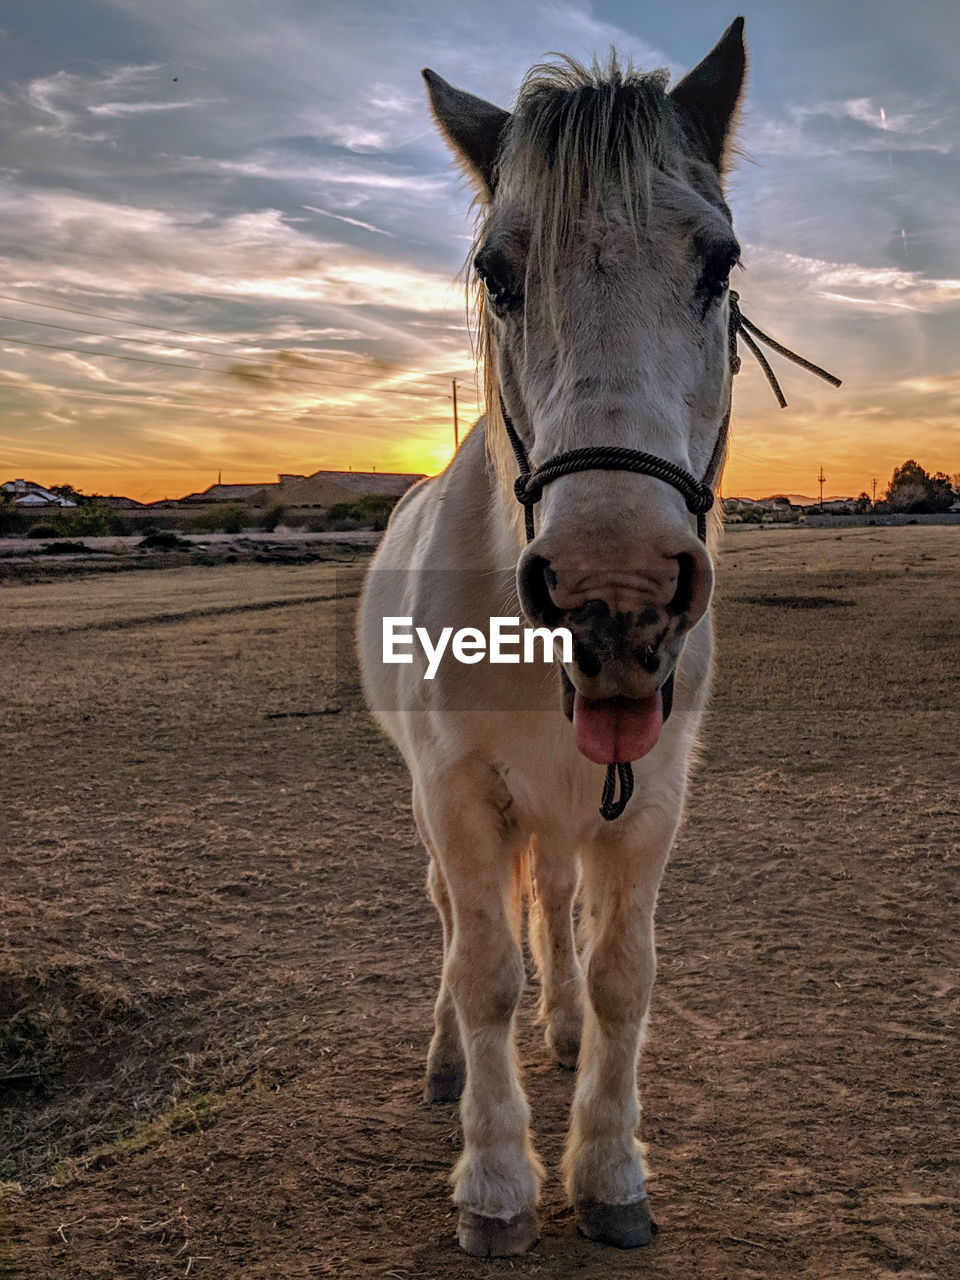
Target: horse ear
709	95
473	127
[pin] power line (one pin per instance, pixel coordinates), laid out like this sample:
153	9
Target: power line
165	402
331	419
162	400
98	315
150	342
153	342
143	324
194	368
111	337
167	364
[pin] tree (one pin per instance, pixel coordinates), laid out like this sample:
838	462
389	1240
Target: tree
9	522
69	492
93	518
909	488
913	489
862	504
942	492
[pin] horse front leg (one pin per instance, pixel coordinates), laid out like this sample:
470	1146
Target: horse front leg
497	1178
603	1162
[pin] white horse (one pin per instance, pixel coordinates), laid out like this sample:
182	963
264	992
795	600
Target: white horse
603	254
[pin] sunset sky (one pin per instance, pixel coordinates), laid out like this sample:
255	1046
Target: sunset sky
249	203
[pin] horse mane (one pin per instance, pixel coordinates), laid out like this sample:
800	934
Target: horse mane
576	133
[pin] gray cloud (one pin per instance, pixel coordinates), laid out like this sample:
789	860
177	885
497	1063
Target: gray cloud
269	177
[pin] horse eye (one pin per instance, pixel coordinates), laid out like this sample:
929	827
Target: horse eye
715	274
499	280
717	268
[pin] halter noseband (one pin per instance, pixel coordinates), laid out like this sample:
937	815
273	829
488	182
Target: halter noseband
697	494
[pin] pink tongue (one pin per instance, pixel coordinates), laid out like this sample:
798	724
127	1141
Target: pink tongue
612	729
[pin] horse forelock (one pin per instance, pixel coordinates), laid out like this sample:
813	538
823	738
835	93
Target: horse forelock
577	130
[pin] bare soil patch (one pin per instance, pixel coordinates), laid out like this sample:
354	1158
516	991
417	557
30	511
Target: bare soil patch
32	560
217	961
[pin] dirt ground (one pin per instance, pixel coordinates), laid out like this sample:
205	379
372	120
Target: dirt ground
217	961
33	560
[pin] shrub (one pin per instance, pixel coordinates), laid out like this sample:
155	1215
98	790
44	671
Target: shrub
95	519
233	518
9	516
229	518
273	516
165	540
62	548
369	511
202	522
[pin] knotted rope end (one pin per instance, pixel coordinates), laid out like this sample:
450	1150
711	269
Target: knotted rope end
611	808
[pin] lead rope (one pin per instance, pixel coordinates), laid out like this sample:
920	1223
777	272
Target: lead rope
697	494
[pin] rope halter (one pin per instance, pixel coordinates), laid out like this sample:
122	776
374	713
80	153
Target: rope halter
697	494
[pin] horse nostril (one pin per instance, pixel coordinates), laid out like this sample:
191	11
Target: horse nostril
535	579
648	657
683	596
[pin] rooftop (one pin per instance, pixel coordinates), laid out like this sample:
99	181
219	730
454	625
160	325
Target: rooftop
391	483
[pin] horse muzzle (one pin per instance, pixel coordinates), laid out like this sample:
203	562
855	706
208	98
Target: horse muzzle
628	629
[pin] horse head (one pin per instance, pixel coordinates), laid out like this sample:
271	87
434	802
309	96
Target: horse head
603	257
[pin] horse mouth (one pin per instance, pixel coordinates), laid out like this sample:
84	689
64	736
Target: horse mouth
612	730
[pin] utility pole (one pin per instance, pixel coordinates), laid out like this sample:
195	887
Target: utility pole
456	424
820	479
874	490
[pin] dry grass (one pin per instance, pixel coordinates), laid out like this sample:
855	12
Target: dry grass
217	960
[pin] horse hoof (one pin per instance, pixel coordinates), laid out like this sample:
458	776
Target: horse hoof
626	1226
497	1237
443	1086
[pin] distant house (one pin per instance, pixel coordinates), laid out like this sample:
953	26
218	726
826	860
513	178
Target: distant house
778	510
320	489
37	499
253	493
955	508
326	488
311	491
27	494
392	484
123	504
